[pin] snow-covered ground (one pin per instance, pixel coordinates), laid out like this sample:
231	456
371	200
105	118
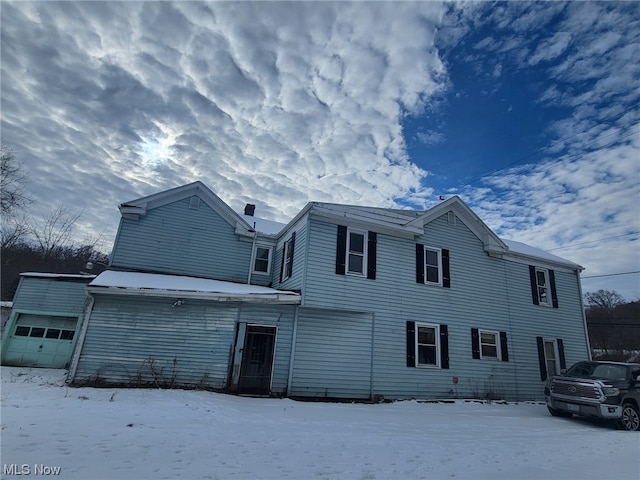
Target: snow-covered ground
153	434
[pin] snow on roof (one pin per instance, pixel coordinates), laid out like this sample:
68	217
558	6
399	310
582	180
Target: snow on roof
57	275
529	251
267	227
6	304
158	284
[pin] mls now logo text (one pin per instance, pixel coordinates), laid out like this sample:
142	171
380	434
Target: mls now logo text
26	469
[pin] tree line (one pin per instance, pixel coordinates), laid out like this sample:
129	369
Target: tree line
613	325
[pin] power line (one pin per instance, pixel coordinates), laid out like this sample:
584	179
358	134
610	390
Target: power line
592	241
611	274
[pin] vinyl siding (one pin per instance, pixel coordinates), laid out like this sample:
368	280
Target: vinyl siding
333	354
295	282
190	345
50	295
486	293
178	240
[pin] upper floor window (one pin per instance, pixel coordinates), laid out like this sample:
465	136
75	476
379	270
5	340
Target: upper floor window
287	258
432	266
356	249
262	261
543	286
486	344
427	345
356	252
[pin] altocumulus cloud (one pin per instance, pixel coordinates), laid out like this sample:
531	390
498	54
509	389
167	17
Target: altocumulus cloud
274	103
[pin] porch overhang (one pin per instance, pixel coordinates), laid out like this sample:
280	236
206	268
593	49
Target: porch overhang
112	282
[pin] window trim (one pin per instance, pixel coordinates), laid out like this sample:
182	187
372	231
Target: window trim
440	273
496	337
437	345
287	260
255	259
558	350
363	255
547	302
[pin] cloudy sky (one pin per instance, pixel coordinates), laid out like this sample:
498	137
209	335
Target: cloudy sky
528	111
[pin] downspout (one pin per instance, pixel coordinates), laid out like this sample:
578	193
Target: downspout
253	253
293	349
79	344
373	334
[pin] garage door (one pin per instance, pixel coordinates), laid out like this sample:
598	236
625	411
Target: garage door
41	341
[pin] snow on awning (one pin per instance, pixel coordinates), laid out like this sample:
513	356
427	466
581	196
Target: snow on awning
158	285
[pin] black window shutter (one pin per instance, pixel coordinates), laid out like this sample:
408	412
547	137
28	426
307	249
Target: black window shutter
446	275
504	349
534	285
341	250
563	363
419	263
411	344
475	343
444	346
292	246
552	285
371	255
541	359
284	251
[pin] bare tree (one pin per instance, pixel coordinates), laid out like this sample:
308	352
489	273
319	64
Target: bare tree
12	180
604	299
13	231
55	231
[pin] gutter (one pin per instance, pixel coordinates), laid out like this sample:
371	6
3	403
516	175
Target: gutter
281	298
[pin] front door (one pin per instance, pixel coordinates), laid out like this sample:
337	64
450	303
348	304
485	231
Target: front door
257	360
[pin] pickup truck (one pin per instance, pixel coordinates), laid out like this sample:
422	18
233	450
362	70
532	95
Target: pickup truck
607	390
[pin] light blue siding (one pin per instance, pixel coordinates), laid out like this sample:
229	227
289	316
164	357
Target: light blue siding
134	341
179	240
333	354
296	281
486	293
50	294
143	341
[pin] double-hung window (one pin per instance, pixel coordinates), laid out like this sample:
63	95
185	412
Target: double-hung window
262	261
543	286
356	252
286	269
489	345
427	345
356	249
432	266
432	263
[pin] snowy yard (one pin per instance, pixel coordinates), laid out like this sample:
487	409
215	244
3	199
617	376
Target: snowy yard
153	434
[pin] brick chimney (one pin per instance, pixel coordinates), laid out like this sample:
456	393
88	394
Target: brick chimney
249	209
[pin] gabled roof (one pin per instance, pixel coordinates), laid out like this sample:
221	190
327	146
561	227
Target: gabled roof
241	223
492	243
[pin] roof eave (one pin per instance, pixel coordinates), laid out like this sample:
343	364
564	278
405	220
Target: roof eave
279	298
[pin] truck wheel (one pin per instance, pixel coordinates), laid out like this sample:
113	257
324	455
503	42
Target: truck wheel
558	413
630	419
